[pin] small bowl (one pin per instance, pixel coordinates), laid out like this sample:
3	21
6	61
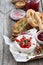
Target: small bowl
40	42
17	14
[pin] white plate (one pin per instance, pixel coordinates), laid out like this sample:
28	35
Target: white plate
17	14
19	57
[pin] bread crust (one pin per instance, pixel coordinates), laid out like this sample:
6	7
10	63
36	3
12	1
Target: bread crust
20	25
20	4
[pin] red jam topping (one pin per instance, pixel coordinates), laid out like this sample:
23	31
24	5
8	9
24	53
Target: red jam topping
40	36
24	42
32	4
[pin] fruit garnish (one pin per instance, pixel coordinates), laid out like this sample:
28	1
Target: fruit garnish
24	42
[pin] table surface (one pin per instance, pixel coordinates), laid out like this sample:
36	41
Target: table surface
6	23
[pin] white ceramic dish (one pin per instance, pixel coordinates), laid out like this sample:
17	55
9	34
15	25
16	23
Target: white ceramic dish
17	14
40	42
26	50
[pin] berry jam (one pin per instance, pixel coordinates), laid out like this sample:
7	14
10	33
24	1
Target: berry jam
25	46
32	4
40	36
24	43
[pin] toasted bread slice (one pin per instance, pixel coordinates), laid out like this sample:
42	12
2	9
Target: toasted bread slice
15	1
20	25
20	4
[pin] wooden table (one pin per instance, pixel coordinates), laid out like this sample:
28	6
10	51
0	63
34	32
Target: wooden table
6	23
